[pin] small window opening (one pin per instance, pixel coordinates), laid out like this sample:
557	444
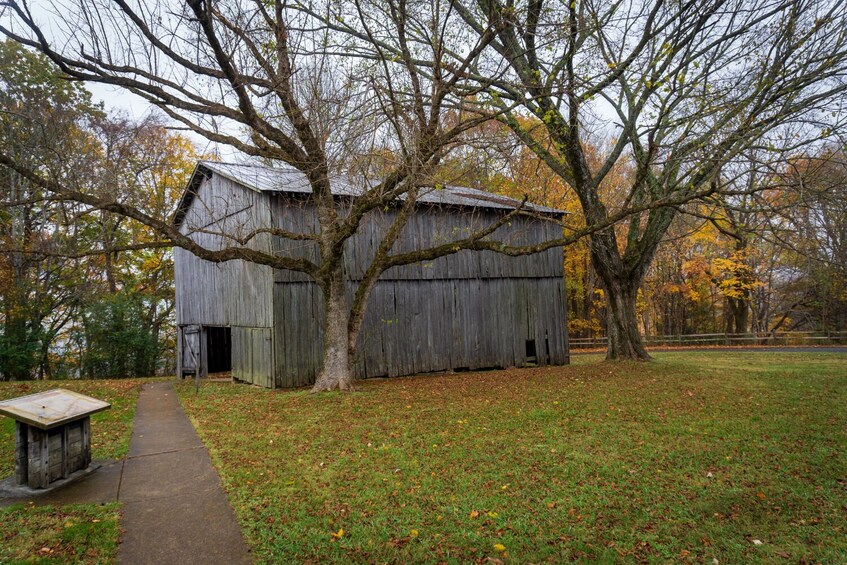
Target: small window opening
531	355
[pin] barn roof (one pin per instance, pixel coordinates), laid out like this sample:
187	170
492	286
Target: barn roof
290	180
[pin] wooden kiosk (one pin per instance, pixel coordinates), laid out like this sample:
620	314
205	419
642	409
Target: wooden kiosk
52	434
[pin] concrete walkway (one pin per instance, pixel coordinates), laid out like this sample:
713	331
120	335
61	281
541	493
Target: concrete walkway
174	509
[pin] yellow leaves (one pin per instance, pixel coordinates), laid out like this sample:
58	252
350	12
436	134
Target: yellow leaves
151	263
337	535
491	514
580	326
414	534
499	547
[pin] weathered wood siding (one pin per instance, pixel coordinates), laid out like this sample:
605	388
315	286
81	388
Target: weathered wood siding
252	355
424	326
235	293
430	226
238	293
470	310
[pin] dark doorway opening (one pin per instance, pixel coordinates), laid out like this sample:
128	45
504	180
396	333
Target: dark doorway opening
531	355
218	349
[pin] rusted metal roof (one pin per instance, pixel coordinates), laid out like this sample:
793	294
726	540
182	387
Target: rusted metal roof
290	180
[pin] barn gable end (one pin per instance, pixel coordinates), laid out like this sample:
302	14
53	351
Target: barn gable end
236	295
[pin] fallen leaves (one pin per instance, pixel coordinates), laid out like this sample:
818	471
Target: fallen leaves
472	436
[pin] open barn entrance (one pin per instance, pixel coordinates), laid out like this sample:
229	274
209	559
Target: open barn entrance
219	349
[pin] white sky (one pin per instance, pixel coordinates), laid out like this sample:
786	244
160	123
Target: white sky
118	99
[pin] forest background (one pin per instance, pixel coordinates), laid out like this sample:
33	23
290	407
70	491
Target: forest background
88	293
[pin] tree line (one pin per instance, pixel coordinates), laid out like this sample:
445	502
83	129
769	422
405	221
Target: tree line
83	293
771	259
649	114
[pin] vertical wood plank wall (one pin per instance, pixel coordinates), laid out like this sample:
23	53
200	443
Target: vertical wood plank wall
237	293
470	310
417	327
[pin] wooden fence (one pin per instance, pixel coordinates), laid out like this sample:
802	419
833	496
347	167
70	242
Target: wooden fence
706	340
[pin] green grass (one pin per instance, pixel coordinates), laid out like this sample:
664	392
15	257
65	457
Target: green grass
687	459
70	534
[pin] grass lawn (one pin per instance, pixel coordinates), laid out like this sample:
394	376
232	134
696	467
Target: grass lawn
694	457
69	534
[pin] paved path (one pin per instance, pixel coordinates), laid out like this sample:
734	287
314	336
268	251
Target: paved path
174	509
723	349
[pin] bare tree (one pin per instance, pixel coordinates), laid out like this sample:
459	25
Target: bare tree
680	88
816	240
273	83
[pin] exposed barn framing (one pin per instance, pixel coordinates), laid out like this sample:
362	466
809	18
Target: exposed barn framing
469	310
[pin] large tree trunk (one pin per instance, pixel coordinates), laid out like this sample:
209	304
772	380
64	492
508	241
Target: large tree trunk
621	278
336	372
622	320
737	321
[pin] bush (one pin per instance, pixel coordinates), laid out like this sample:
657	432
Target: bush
118	344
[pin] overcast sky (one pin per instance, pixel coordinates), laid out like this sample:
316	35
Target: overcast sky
119	100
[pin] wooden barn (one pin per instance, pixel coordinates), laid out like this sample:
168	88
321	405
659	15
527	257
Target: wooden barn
466	311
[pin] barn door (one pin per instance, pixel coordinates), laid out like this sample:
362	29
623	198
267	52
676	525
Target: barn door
251	356
190	354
